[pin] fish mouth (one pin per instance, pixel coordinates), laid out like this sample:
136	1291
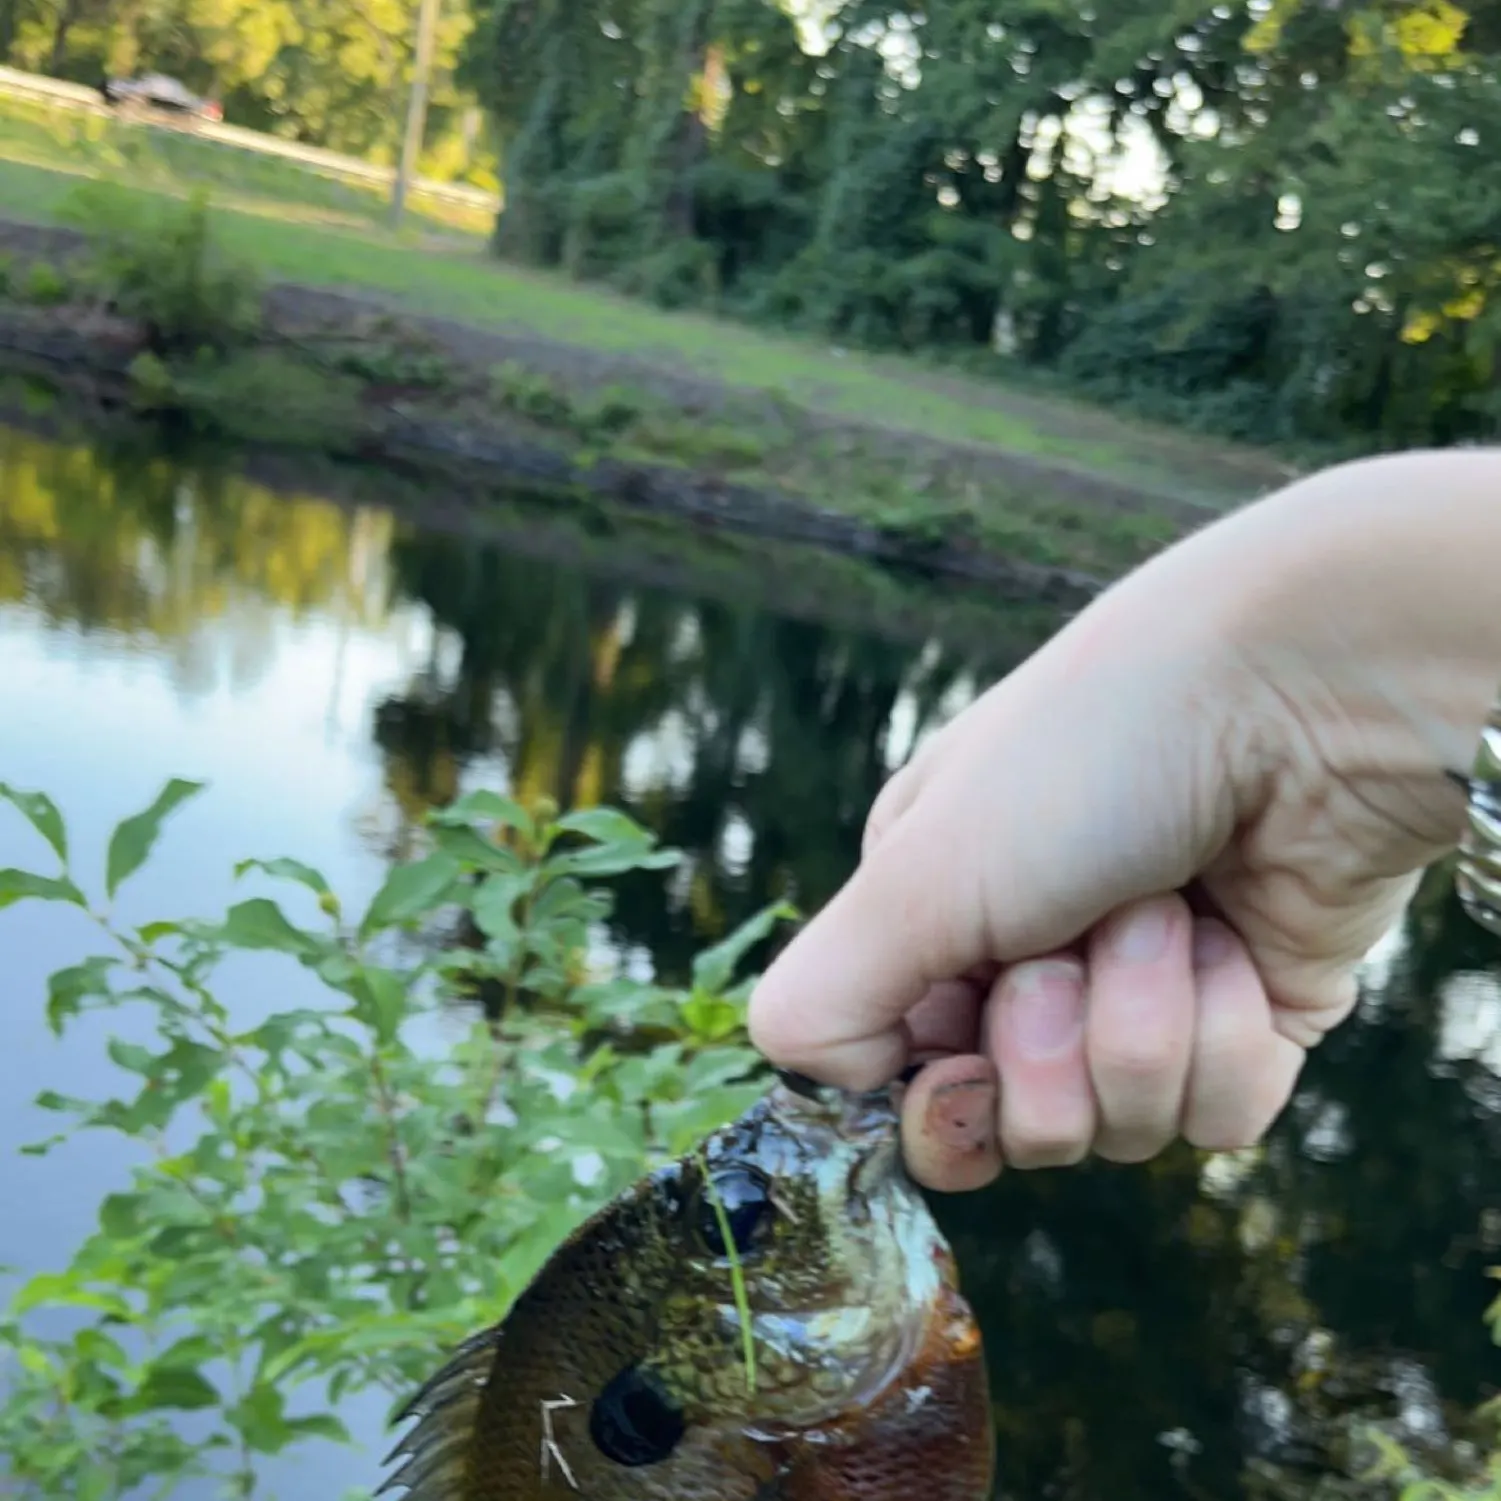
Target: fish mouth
865	1124
852	1113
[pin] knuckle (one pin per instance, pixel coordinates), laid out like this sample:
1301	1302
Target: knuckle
1140	1057
1131	1147
1057	1143
1047	1151
1224	1123
1220	1136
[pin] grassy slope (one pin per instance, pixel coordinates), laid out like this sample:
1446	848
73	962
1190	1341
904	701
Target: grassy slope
295	226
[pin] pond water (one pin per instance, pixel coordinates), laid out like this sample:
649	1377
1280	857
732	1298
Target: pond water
1189	1328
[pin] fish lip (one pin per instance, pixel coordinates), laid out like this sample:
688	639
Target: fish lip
855	1115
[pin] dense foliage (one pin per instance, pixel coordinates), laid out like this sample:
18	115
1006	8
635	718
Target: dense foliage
328	1194
1271	217
332	73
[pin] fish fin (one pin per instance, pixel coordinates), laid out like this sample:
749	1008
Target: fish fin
447	1407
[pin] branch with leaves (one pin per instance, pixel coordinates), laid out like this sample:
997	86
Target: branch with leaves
321	1204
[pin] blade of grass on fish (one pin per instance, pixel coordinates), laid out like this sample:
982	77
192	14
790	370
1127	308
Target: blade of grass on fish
737	1275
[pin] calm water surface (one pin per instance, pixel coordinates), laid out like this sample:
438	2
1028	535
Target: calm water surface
1191	1328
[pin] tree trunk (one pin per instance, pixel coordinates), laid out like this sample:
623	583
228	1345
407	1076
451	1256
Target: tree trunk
71	11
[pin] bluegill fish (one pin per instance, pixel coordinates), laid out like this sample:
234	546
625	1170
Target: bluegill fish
621	1373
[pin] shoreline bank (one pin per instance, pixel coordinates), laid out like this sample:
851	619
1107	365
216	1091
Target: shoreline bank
328	372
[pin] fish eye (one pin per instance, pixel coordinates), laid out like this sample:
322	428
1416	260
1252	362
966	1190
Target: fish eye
633	1422
746	1202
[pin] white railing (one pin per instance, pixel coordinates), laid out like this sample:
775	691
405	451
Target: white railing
84	100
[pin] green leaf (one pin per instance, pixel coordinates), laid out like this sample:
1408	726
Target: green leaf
19	885
41	812
380	1001
719	1066
470	847
410	891
67	989
320	1425
621	844
186	1068
486	807
134	837
611	1134
96	1345
684	1122
567	899
606	826
610	860
174	1386
65	1290
494	904
711	1018
259	1419
120	1216
131	1056
260	924
191	1351
283	869
715	967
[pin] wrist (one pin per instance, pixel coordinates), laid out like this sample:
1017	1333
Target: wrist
1367	600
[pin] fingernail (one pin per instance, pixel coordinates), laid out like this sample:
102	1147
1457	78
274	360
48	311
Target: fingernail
1046	1009
961	1116
1213	943
1143	937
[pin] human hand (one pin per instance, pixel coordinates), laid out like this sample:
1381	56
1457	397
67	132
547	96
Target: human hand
1121	894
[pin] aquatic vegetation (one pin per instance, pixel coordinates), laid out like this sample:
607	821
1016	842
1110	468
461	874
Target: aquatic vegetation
323	1198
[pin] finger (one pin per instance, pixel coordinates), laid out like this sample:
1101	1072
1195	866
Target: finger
1034	1026
833	1002
946	1020
1306	945
1139	1033
894	798
1243	1070
901	790
949	1125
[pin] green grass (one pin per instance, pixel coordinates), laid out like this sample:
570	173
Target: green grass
292	225
72	144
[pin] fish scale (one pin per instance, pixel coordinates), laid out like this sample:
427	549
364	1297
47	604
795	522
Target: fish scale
619	1373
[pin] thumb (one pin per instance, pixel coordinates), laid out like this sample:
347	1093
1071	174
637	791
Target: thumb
833	1002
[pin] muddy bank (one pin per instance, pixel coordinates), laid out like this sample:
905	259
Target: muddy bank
91	356
446	404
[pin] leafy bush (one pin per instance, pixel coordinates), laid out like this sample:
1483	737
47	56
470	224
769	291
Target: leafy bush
322	1206
1412	1480
160	266
45	285
532	394
683	273
268	396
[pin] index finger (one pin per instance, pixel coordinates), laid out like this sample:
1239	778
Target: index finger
834	1001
